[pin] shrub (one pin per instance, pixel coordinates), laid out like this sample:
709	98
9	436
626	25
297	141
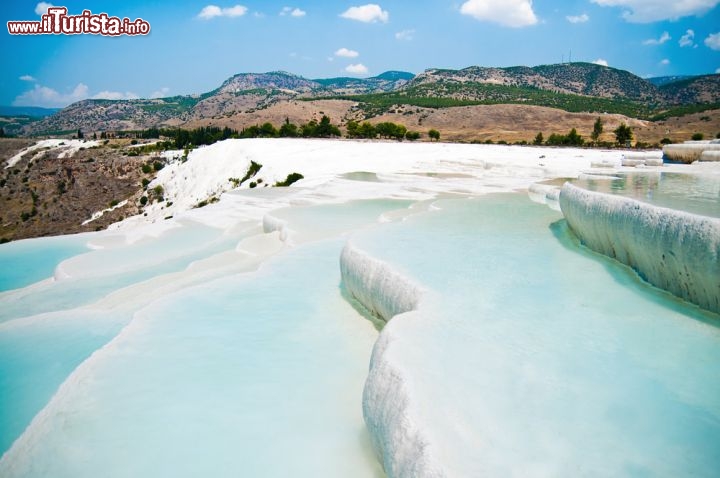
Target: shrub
145	182
538	139
623	133
146	169
291	178
288	130
434	135
143	200
157	165
412	135
666	141
251	172
697	137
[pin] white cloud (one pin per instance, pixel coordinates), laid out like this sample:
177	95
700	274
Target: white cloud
647	11
357	69
510	13
687	39
115	95
293	12
713	41
717	71
41	8
370	13
161	93
578	18
27	78
601	62
345	53
665	62
663	38
406	35
212	11
50	98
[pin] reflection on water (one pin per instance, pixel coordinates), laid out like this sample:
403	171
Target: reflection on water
698	194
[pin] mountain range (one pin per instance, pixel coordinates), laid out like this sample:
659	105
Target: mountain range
246	97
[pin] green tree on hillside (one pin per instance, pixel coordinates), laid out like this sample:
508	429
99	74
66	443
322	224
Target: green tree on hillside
574	139
325	128
434	135
353	129
367	130
597	130
267	130
288	130
538	139
623	133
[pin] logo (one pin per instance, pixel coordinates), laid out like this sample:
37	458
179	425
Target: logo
57	22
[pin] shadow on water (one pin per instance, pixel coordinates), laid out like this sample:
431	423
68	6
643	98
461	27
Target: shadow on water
629	277
377	321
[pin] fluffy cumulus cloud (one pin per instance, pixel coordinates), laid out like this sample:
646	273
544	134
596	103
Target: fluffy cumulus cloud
370	13
578	18
664	62
161	93
211	11
41	8
687	39
713	41
659	41
601	62
293	12
345	53
27	78
115	95
510	13
43	96
48	97
406	35
357	69
647	11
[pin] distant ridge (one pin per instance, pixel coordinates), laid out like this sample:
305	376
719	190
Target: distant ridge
574	87
33	111
664	80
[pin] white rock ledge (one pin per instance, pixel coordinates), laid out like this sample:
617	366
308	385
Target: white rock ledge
673	250
388	408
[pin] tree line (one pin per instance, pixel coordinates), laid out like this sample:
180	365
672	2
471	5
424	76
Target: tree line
623	134
204	135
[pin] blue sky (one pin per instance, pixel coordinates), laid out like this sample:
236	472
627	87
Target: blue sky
195	45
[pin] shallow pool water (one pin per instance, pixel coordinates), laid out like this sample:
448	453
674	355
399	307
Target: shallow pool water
203	352
531	356
696	193
25	262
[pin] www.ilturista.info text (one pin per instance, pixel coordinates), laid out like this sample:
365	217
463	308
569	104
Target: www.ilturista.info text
57	22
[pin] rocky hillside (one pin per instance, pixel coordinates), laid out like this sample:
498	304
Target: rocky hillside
388	81
57	189
570	78
697	89
578	87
